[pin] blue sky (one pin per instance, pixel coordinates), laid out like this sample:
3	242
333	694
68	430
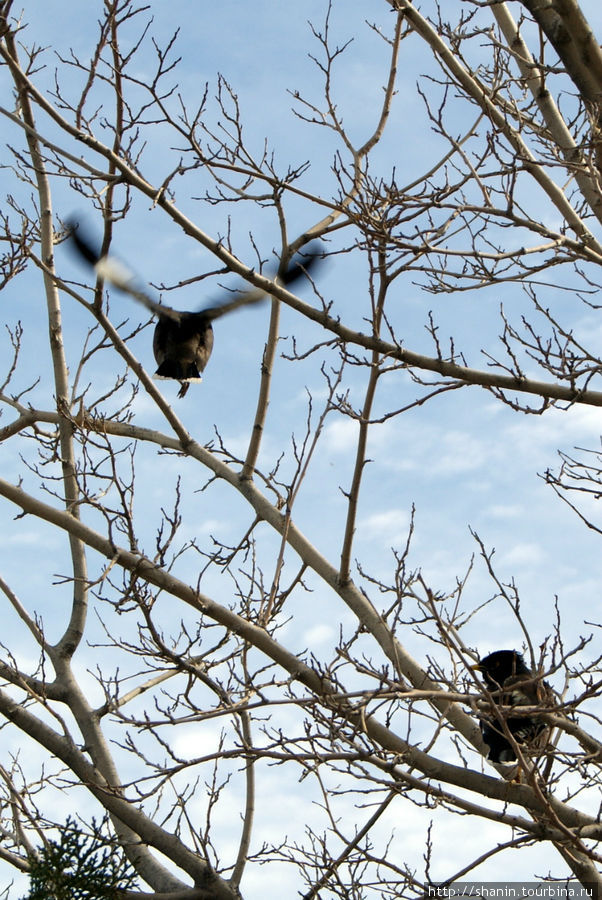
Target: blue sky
464	460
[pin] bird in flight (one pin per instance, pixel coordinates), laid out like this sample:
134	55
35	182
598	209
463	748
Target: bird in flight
513	685
182	341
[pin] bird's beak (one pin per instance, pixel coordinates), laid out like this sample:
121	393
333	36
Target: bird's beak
477	668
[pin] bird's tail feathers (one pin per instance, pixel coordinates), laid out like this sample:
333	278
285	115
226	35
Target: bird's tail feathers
172	368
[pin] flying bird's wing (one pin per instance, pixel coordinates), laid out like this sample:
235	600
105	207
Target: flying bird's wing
122	277
182	341
294	273
115	272
82	244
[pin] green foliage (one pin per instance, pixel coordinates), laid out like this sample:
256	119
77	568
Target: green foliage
79	867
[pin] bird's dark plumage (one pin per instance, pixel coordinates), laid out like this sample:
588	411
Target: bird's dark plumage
513	684
83	247
182	348
183	341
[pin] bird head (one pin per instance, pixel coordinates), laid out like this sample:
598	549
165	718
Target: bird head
500	665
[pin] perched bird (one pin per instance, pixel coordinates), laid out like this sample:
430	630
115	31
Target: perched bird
183	341
513	684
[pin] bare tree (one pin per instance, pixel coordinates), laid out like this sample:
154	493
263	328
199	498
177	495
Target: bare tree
175	675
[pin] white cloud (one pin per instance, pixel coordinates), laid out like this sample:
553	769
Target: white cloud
29	538
505	511
340	435
522	555
391	526
196	740
318	634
